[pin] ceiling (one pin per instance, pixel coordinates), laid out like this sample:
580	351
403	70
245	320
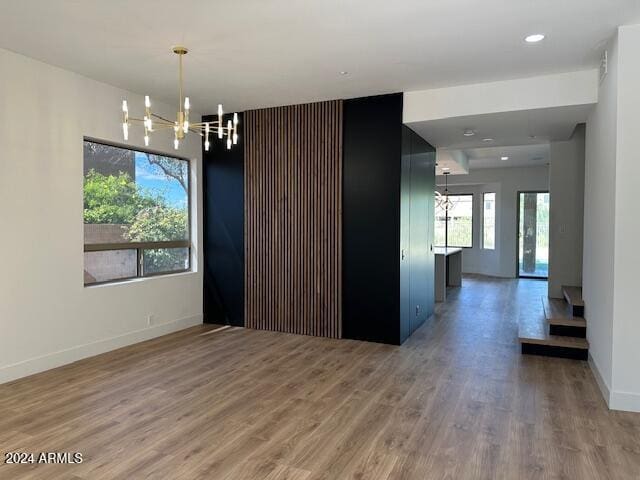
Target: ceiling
519	156
521	127
256	53
455	162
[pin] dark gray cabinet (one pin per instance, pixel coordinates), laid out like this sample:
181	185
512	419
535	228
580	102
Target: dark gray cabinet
416	232
388	194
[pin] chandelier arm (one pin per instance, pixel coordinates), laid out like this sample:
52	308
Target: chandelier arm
162	127
161	123
162	118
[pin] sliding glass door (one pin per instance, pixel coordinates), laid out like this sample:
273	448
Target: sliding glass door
533	234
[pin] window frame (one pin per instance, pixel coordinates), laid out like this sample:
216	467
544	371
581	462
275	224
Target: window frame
472	220
495	216
140	247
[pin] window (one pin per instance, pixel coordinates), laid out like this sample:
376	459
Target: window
136	214
489	221
458	230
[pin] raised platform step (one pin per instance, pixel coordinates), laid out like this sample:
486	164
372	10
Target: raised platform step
573	296
561	319
535	339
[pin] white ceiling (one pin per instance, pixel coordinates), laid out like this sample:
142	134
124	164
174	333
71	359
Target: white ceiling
522	127
453	161
255	53
519	156
522	135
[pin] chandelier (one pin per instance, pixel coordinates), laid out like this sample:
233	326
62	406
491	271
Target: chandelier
444	202
181	126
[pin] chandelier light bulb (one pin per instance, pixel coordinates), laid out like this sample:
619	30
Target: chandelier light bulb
235	138
185	126
125	107
146	140
187	105
125	131
206	145
228	144
147	101
235	119
176	143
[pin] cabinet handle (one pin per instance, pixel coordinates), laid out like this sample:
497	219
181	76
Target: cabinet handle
402	255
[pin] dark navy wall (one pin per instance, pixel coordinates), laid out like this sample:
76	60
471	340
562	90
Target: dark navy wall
371	218
223	193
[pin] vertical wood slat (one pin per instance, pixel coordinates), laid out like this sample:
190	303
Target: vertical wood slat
293	219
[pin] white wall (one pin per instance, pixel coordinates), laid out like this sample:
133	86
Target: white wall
47	316
599	209
547	91
611	258
626	325
506	183
566	189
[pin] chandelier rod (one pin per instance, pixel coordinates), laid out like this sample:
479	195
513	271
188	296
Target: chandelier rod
180	54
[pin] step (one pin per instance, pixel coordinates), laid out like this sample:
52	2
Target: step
573	296
561	320
535	339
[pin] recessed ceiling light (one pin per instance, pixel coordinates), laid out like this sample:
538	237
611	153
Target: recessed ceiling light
487	139
344	72
445	169
469	133
534	38
504	158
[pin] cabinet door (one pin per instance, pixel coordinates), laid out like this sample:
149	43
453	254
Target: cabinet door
421	231
430	175
418	235
405	226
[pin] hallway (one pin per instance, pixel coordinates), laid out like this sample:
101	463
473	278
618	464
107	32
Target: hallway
457	400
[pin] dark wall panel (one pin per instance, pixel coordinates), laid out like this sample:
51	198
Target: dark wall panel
418	246
223	193
293	188
371	218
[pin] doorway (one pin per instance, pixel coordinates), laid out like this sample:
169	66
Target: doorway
533	235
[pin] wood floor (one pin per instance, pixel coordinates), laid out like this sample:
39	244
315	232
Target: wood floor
457	401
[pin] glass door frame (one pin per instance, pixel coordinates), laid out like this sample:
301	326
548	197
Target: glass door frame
518	275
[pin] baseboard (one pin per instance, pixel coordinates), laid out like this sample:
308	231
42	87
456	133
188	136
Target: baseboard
625	401
604	388
73	354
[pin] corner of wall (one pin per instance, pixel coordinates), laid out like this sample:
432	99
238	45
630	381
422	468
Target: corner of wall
602	384
70	355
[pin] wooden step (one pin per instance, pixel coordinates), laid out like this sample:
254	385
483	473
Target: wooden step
534	338
573	296
558	312
561	320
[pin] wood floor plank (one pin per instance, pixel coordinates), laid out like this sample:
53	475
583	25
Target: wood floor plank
457	400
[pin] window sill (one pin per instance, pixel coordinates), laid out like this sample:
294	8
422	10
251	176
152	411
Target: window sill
129	281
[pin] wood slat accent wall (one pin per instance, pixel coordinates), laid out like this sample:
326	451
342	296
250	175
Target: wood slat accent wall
293	219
